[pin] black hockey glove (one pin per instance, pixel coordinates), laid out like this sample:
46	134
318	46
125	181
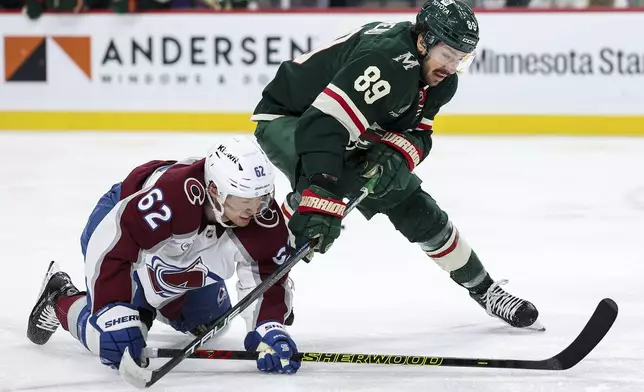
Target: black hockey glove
319	215
397	155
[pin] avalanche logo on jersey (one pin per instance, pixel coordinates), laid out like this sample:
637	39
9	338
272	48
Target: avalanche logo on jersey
223	294
269	218
281	256
194	191
169	280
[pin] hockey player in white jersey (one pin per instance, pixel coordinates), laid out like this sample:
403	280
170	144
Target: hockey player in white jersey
159	245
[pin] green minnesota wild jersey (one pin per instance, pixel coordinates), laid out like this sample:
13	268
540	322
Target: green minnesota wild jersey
344	92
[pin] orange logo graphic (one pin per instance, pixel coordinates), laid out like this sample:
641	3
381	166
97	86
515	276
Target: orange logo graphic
25	57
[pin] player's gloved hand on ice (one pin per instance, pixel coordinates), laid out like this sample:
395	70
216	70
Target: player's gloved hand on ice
119	326
319	215
398	155
275	346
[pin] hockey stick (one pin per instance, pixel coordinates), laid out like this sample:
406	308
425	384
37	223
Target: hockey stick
144	378
597	327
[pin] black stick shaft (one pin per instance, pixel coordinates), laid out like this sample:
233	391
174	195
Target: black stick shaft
597	327
366	359
257	292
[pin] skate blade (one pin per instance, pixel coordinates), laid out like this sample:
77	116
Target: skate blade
537	326
51	270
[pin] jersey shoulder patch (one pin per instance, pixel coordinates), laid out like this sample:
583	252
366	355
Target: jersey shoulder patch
195	191
407	60
265	237
394	41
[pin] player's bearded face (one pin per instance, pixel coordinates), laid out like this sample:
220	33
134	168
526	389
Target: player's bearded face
434	72
442	61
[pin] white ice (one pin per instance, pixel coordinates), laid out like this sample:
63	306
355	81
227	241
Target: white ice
561	218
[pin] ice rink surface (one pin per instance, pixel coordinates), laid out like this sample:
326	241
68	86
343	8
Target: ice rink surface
561	218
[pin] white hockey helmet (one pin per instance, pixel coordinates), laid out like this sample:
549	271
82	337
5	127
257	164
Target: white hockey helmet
238	167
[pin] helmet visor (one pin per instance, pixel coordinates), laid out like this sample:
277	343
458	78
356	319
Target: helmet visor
247	207
454	60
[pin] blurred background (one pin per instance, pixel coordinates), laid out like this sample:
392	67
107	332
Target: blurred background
34	8
90	88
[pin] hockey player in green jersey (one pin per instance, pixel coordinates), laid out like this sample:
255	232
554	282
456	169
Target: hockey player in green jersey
367	101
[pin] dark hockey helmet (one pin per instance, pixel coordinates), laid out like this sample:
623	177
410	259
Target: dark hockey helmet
449	21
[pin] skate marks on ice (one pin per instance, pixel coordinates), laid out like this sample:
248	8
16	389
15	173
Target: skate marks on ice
596	329
581	263
99	384
635	197
199	376
336	377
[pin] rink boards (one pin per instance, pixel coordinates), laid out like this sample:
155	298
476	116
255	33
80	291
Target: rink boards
578	73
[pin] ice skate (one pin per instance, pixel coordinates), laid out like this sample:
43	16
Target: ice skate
514	311
42	320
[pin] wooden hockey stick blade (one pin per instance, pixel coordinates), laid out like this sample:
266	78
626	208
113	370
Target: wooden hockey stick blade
597	327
